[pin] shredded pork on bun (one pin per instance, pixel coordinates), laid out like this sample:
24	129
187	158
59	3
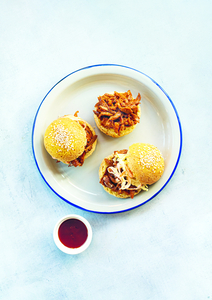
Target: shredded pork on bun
70	140
117	114
125	173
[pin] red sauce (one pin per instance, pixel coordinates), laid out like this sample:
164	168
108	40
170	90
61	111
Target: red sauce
73	233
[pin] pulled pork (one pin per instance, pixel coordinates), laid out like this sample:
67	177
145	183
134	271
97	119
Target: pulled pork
112	182
117	111
78	162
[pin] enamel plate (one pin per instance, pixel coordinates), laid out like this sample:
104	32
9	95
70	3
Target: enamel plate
159	125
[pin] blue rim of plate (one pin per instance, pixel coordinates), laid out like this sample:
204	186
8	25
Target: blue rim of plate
180	131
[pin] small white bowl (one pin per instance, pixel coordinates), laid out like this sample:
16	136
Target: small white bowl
68	250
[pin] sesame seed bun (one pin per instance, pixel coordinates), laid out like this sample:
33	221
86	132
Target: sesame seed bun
146	162
65	139
102	170
111	131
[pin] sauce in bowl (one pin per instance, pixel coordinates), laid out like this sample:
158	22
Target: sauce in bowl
73	233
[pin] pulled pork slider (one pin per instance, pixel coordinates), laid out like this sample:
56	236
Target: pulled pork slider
117	114
125	173
70	139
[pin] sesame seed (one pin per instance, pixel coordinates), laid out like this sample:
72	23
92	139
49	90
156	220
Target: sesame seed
62	137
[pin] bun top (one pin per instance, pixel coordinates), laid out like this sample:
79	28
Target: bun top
146	163
65	139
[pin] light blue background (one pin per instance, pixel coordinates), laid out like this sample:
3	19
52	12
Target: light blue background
162	250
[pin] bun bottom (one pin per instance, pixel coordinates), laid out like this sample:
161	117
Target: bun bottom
102	170
121	195
111	131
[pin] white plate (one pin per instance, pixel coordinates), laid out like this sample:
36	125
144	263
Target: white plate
159	125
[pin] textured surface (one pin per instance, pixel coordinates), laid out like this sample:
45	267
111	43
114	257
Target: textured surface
149	159
65	139
162	250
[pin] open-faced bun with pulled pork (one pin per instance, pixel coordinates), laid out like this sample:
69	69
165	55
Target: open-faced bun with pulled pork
125	173
117	114
70	140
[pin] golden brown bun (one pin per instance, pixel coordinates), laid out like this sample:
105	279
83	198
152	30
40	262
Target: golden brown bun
146	162
102	169
65	139
111	131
